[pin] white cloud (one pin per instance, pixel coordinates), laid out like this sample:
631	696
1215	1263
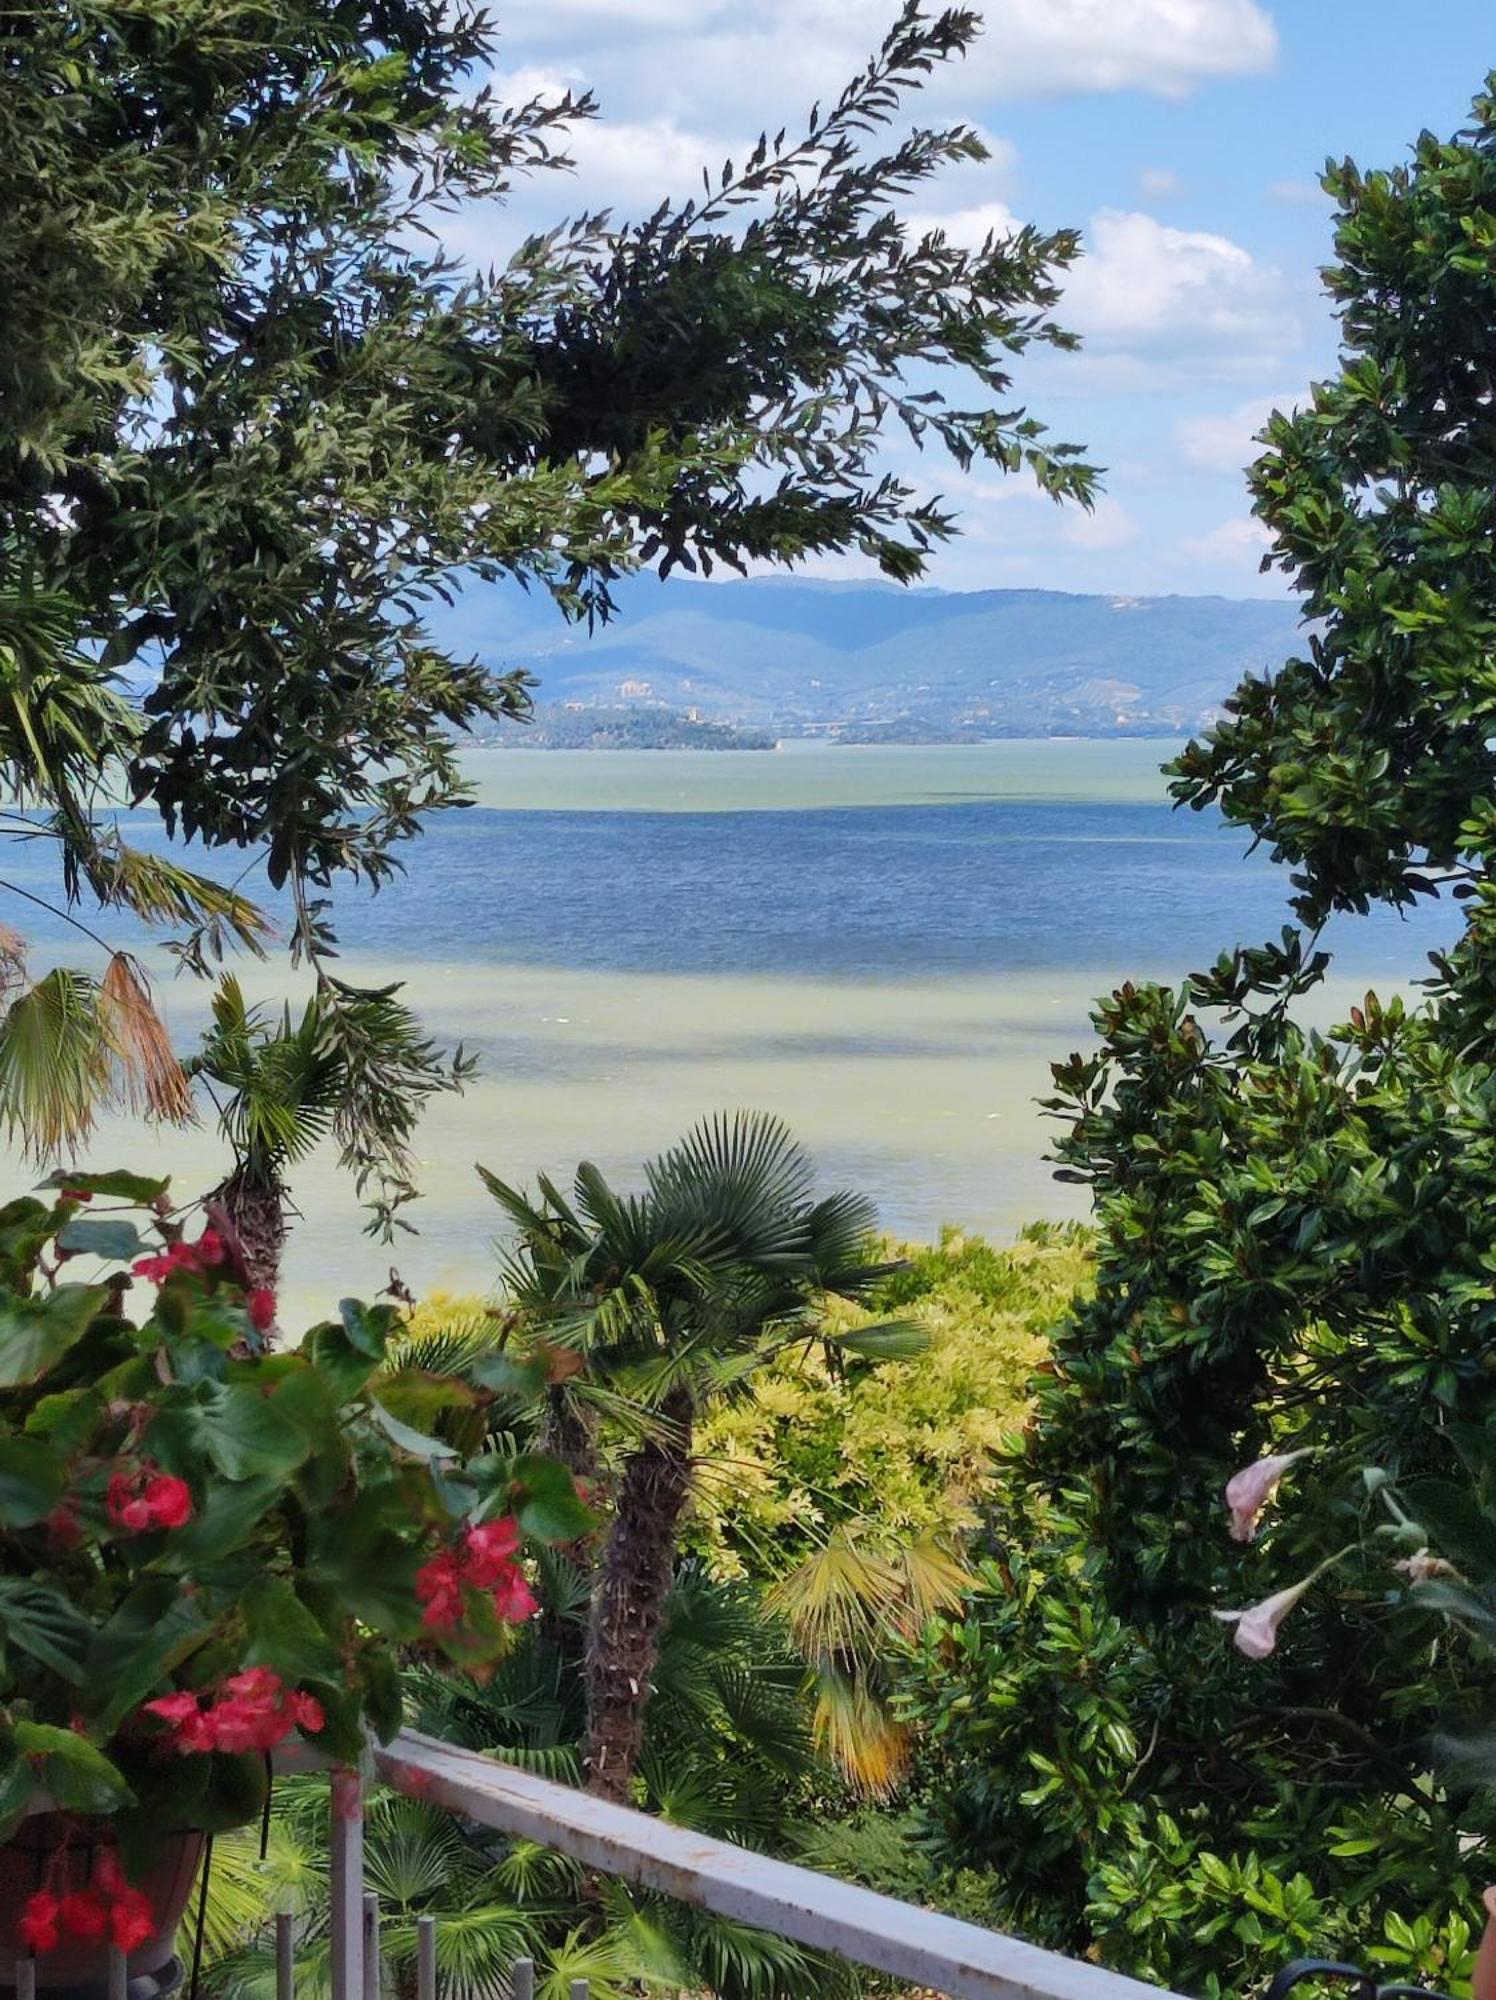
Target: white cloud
707	56
969	228
1160	184
1239	544
1225	440
1144	287
1107	526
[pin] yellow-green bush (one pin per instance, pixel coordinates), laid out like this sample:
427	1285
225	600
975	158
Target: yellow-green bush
900	1449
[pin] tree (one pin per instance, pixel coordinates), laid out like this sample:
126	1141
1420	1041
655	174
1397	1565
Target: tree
255	422
1295	1231
670	1299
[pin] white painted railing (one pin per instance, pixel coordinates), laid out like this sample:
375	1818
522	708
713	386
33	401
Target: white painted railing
918	1946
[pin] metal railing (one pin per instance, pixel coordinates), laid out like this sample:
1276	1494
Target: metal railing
920	1947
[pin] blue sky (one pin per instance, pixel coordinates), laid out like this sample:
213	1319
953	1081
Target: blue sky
1183	137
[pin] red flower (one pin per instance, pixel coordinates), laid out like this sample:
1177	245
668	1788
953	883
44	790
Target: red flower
169	1500
439	1588
306	1712
76	1194
208	1250
513	1599
147	1498
132	1921
260	1305
38	1926
488	1551
84	1914
62	1525
253	1710
485	1559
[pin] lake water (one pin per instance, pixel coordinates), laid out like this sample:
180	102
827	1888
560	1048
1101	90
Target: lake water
887	946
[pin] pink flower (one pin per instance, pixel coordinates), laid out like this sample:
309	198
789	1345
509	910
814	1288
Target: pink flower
209	1248
260	1305
1423	1567
1249	1491
1256	1632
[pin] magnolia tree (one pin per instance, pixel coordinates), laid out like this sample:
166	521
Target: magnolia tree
1295	1237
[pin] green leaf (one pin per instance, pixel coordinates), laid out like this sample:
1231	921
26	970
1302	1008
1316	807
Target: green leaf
367	1327
231	1511
124	1186
44	1624
408	1440
36	1333
544	1500
244	1434
31	1481
893	1340
101	1236
76	1772
284	1635
521	1381
152	1630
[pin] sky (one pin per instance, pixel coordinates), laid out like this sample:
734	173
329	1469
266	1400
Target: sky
1184	138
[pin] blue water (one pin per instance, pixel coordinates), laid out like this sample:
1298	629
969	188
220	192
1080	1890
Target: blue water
882	892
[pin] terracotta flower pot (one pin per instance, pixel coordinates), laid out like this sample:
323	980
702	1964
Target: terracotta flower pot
62	1852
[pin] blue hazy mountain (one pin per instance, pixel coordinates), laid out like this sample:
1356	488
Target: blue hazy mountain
872	661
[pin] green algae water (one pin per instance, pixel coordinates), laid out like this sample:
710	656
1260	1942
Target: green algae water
886	946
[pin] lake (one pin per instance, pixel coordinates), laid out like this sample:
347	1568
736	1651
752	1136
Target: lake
887	946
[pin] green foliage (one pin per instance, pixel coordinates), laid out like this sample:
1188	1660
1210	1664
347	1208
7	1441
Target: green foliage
1294	1243
257	422
727	1751
296	1513
904	1450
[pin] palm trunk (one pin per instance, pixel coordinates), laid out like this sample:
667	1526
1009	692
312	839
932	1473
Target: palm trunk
628	1605
253	1204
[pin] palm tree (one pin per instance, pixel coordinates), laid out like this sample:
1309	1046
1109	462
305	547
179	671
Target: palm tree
728	1751
672	1297
282	1085
75	1040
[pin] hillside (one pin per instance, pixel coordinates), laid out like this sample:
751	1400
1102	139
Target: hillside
873	662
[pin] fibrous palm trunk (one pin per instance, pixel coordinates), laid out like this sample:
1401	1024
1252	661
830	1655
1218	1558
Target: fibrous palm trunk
253	1203
628	1603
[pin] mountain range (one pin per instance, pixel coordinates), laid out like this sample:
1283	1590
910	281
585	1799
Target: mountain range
873	662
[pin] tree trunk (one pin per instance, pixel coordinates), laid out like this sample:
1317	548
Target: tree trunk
254	1207
628	1604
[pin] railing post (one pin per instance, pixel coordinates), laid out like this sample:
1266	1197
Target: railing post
522	1979
425	1958
347	1885
285	1956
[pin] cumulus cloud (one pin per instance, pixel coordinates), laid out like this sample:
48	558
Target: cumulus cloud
1145	287
715	53
1224	441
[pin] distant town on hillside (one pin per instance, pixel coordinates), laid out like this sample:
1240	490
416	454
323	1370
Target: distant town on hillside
745	664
